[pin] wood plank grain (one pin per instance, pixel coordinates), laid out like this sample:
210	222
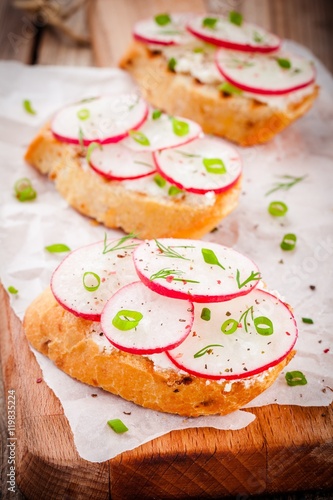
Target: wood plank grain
17	34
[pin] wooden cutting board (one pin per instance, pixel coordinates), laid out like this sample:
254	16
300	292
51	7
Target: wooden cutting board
285	449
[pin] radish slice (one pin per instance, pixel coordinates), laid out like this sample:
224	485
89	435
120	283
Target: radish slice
203	271
116	162
163	30
104	119
205	164
85	280
162	133
223	33
139	321
265	74
242	338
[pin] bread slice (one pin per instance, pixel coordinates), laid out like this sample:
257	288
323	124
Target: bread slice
113	204
243	120
78	347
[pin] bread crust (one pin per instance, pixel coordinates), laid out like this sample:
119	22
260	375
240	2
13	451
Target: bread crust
240	119
110	203
68	341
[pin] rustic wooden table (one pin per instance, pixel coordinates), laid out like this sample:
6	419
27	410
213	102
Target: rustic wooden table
31	41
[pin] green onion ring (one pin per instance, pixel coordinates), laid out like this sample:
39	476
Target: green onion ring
295	378
288	242
126	320
229	326
277	208
117	426
263	325
83	114
205	314
93	287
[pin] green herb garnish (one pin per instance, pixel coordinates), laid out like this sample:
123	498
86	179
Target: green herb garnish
209	22
24	190
162	19
12	290
206	350
118	245
295	378
126	320
172	64
83	114
169	275
91	276
159	180
117	426
156	114
210	257
235	18
214	166
173	190
263	325
180	127
277	208
309	321
81	138
228	88
257	37
167	251
28	107
286	185
90	149
288	242
244	317
229	326
57	248
139	137
188	155
283	63
253	277
205	314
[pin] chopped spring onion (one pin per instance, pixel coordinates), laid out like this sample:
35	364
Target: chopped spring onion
126	320
235	18
12	290
309	321
173	190
57	248
228	88
263	325
210	257
214	166
90	149
24	190
288	242
179	127
277	208
83	114
162	19
28	107
205	314
139	137
229	326
295	378
283	63
159	180
172	64
209	22
91	277
117	426
156	114
206	350
257	37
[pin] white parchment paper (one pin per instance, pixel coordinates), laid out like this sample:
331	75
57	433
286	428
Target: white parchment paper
303	277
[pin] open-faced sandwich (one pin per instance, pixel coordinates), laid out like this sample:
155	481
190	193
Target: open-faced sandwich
231	77
128	166
175	325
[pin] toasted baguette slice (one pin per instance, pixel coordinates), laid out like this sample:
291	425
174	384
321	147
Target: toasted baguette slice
116	206
78	348
243	120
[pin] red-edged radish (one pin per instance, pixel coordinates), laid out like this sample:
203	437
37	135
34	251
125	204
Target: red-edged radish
223	32
85	280
265	74
163	29
237	339
140	321
103	119
200	270
162	133
203	165
116	162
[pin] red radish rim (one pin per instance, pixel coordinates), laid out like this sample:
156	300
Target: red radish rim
249	373
193	190
111	177
143	39
109	140
262	91
233	45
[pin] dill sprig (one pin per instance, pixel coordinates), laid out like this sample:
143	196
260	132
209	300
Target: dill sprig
118	245
284	186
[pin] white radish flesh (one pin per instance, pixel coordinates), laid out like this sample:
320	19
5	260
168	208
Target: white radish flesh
275	74
104	119
205	164
116	162
172	32
161	133
85	280
139	321
200	270
242	338
223	33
